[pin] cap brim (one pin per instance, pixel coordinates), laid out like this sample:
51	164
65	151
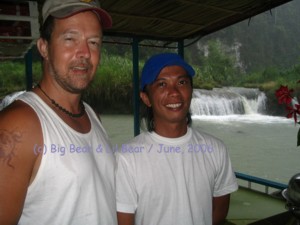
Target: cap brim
150	79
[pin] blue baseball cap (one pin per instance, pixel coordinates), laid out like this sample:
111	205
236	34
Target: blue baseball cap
156	63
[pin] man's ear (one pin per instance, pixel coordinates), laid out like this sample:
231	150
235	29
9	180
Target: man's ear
42	46
145	98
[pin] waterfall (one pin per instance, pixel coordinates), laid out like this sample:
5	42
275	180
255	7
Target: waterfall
228	101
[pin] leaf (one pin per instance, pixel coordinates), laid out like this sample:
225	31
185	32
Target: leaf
284	95
298	138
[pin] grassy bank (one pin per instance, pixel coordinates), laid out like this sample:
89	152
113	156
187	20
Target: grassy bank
111	90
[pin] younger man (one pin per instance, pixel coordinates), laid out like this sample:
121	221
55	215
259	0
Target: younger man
177	175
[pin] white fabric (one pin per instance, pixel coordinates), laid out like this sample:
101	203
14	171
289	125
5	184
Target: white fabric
75	184
169	181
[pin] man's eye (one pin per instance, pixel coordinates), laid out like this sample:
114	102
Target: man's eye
94	43
69	39
183	82
161	84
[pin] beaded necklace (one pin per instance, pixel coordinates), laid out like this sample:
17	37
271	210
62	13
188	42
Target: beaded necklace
62	108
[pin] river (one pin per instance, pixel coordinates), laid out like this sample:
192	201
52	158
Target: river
259	145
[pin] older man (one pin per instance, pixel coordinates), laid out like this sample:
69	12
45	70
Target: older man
50	171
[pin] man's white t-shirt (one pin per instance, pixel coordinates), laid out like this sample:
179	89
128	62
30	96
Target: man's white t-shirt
172	180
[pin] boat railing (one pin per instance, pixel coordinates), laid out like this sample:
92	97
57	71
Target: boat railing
261	181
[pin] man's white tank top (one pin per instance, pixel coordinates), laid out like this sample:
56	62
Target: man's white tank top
75	181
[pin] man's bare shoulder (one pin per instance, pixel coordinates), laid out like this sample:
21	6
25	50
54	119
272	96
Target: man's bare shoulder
17	108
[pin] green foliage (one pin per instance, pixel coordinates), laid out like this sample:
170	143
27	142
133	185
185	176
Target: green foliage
11	78
270	73
112	91
217	67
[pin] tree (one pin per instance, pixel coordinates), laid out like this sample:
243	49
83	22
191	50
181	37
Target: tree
218	65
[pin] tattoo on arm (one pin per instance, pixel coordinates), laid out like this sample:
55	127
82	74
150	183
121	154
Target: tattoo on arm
8	142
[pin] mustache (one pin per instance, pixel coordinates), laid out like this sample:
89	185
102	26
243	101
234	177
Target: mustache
82	63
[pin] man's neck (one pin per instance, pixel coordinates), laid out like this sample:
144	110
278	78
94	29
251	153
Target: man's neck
171	130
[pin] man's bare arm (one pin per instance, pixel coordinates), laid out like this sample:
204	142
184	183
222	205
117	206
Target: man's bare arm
125	218
19	131
220	209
